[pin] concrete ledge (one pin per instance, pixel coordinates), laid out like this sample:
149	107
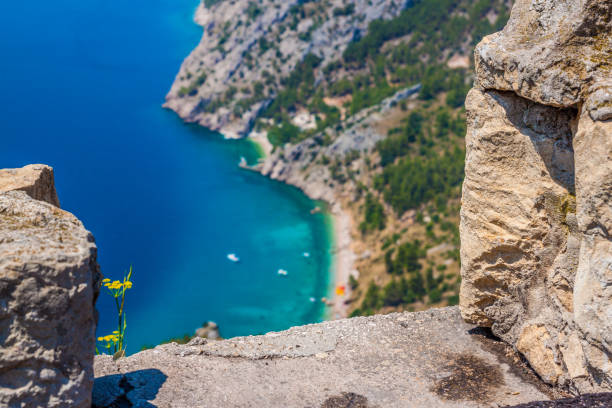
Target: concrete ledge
424	359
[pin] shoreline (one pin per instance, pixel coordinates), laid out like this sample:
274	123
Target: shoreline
342	263
262	144
342	256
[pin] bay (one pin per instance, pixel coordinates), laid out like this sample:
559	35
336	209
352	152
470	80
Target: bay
82	86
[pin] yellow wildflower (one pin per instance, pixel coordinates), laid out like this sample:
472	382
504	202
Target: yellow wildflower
114	285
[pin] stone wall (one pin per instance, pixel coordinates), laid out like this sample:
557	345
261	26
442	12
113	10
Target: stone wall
536	216
49	281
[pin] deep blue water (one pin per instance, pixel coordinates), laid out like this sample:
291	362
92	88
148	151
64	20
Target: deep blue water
82	84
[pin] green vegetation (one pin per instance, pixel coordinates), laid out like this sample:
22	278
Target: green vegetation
370	72
184	339
210	3
299	86
421	161
374	218
284	133
253	10
114	343
415	181
433	26
344	11
406	260
409	284
192	89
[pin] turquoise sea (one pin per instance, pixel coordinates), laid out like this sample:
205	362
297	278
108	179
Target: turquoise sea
82	85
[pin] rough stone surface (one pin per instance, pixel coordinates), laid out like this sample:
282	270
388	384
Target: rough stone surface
48	285
35	179
536	250
426	359
556	53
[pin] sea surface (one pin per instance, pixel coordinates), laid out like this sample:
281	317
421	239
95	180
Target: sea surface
82	85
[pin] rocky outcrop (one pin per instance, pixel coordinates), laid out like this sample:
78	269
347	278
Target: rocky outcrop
35	179
427	359
249	42
536	217
209	330
49	281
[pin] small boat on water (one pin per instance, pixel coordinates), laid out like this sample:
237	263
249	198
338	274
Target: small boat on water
306	254
233	258
312	299
282	272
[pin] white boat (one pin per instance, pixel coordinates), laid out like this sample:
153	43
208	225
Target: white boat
306	254
282	272
233	258
312	299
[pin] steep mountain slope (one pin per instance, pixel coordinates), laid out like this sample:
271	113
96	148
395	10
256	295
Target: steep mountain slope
373	125
250	47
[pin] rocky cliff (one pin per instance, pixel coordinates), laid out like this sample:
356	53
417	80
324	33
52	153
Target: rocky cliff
536	214
49	281
249	47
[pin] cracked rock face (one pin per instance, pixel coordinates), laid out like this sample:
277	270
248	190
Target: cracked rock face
536	250
49	281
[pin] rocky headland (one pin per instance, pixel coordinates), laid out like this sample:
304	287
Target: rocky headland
248	47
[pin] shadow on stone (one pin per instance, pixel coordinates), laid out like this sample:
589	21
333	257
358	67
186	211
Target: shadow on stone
600	400
550	131
518	364
135	388
470	378
346	400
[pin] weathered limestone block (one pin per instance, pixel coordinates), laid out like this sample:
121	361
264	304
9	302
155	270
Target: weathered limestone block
553	52
520	242
593	286
536	249
49	281
35	179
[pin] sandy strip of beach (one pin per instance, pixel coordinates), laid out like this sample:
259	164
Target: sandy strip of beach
344	261
261	140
